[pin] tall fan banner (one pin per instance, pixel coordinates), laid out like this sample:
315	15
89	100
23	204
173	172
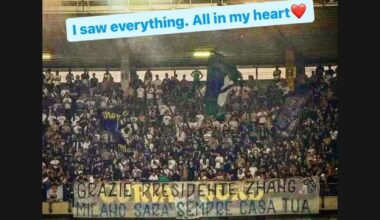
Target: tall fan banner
188	200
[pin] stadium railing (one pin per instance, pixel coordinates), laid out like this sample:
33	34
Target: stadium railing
122	6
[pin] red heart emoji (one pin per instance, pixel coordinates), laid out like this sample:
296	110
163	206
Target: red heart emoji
298	10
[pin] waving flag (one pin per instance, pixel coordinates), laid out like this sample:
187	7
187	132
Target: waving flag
221	76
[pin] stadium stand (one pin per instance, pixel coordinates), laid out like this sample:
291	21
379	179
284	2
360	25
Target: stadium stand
92	132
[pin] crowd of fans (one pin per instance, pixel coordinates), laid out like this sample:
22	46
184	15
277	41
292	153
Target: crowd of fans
157	131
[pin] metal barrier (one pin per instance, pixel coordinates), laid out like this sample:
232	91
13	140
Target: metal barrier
328	189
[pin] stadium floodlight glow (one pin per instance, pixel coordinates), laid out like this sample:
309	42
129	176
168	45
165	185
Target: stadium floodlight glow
46	56
202	54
